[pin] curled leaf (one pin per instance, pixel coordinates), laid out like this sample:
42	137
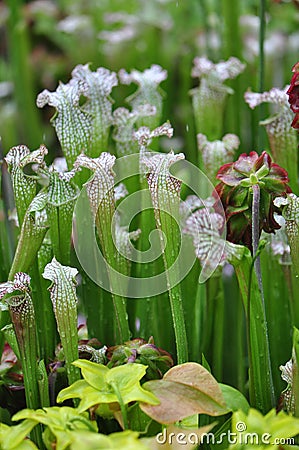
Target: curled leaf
287	394
144	135
208	99
282	138
102	195
24	186
160	181
148	91
21	282
205	227
100	188
154	75
72	124
22	314
165	195
219	72
290	212
275	96
97	88
216	153
124	127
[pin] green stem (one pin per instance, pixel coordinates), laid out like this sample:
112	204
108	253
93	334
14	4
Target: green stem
278	312
97	308
291	296
214	324
256	235
151	310
123	407
45	320
103	224
234	332
7	228
241	346
122	323
43	385
170	254
260	373
293	300
218	332
231	31
193	301
198	336
178	324
6	236
206	7
257	268
261	67
232	47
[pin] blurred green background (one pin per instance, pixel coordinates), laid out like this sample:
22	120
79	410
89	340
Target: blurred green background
41	42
